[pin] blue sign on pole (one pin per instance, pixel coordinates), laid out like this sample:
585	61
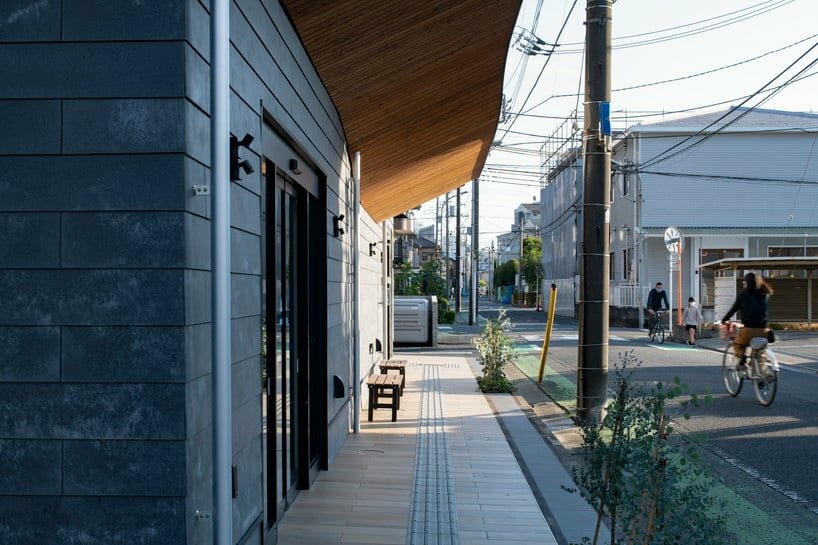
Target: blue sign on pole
605	118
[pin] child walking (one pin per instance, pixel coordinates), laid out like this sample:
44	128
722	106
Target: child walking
692	317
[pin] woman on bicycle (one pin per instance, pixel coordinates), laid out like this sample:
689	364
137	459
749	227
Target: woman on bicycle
752	302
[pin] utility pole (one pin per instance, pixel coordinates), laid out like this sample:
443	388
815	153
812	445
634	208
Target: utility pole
446	244
592	371
458	303
475	245
520	276
437	223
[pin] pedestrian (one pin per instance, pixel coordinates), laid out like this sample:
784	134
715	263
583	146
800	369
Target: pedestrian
691	318
752	302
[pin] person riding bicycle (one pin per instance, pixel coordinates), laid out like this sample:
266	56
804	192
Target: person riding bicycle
752	302
655	298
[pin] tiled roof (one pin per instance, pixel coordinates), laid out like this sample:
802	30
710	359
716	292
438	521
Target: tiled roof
774	119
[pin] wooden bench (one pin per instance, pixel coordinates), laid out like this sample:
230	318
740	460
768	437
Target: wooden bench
378	384
395	365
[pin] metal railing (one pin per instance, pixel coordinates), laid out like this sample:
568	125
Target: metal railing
629	295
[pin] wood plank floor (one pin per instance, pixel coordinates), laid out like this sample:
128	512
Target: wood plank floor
495	505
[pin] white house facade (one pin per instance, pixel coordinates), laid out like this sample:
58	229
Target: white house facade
747	190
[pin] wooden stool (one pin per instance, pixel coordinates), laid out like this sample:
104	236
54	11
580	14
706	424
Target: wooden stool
378	384
397	365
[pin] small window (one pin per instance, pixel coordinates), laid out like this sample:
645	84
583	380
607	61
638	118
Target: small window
626	184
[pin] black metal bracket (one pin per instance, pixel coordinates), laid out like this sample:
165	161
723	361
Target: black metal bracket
236	164
337	230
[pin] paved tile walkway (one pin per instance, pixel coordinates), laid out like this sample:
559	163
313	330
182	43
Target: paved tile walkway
367	495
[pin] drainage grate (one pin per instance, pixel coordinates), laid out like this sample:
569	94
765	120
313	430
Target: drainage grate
434	511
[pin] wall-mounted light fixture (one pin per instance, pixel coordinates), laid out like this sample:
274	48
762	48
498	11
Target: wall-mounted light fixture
372	246
336	225
294	166
236	164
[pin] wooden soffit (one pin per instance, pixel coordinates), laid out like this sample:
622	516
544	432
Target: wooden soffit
418	86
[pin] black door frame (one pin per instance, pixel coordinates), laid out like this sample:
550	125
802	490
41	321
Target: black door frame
311	255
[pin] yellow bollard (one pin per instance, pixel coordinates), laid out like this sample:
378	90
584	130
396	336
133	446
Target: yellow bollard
552	306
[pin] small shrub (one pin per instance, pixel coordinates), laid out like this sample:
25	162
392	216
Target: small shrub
633	474
494	350
446	317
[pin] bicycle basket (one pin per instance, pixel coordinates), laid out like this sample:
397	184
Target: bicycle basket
728	332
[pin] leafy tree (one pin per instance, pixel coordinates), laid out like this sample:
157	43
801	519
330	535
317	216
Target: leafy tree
532	261
406	281
505	274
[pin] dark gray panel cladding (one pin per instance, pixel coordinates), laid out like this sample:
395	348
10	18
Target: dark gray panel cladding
123	354
245	256
104	70
29	126
92	411
123	239
108	520
245	209
245	295
30	467
29	240
25	20
124	126
199	489
124	468
123	182
91	20
92	297
246	340
29	354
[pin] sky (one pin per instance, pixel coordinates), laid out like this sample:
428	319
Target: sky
739	30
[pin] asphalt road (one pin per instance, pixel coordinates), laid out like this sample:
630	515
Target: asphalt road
769	453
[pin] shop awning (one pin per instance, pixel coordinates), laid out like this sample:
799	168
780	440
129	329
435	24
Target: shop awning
418	86
764	263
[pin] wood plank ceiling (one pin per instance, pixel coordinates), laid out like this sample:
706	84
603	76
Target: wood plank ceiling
418	86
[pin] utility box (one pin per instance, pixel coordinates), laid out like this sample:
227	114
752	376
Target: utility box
415	320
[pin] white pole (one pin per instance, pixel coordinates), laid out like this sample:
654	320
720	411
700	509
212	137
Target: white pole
670	294
385	279
220	275
356	317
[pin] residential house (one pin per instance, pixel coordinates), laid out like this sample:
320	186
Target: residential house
746	190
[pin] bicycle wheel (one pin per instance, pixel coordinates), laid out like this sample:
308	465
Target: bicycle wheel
732	379
661	335
766	385
652	333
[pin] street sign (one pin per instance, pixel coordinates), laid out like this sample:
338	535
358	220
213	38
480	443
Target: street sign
674	241
673	261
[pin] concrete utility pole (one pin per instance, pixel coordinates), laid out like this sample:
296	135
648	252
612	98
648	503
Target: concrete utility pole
520	275
446	246
475	245
458	297
592	371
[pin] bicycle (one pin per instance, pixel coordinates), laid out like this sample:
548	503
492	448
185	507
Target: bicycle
761	367
657	330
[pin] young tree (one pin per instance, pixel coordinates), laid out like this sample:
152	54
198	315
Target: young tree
532	261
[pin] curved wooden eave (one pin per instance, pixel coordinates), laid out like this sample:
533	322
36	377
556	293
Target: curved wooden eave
418	86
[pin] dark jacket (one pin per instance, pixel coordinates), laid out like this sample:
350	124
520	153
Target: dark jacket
655	299
753	307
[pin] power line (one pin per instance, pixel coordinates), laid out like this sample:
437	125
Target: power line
679	78
686	25
542	70
666	153
693	32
